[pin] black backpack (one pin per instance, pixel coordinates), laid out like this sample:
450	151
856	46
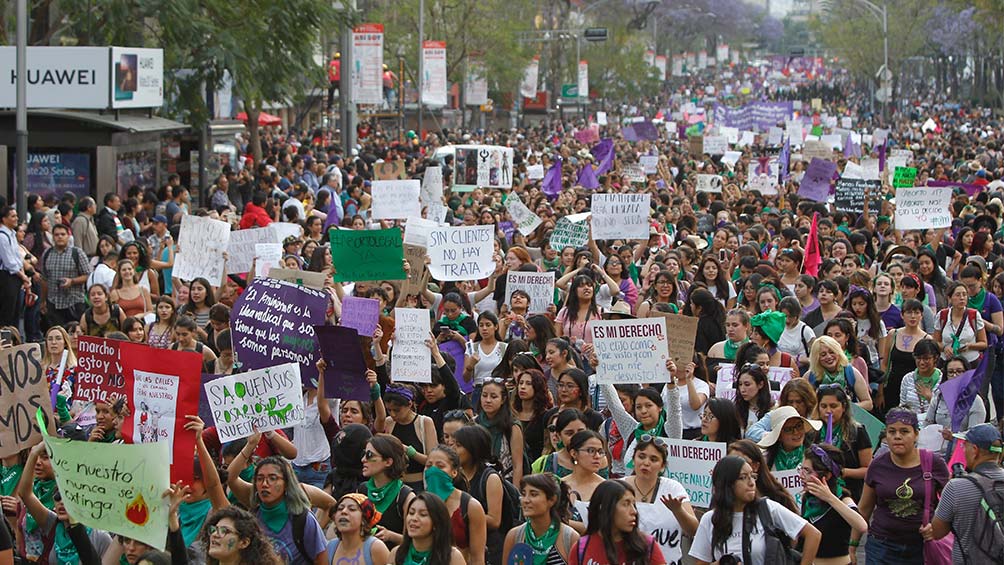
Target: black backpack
512	511
299	525
987	530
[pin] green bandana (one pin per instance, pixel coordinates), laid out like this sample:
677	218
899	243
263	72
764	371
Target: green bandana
43	491
788	460
657	431
551	265
275	517
382	497
192	515
9	477
976	302
829	379
930	381
542	545
814	508
416	557
66	552
439	483
497	436
455	325
731	347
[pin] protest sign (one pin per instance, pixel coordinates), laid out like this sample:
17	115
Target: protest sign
634	173
432	185
307	279
389	170
813	149
286	229
852	170
535	172
416	231
716	144
588	135
23	390
732	157
774	136
835	141
99	370
682	331
114	487
709	183
202	243
540	287
396	199
815	184
345	371
731	134
204	410
649	163
725	384
241	249
461	253
690	463
904	177
850	195
923	208
792	482
570	231
360	314
411	359
486	166
764	184
267	255
418	271
367	255
524	218
601	118
272	322
872	425
261	400
630	351
695	145
620	216
747	139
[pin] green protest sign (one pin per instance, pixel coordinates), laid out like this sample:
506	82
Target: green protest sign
903	177
113	487
368	255
872	425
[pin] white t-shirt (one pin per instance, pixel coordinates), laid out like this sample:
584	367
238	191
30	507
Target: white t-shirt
101	274
487	361
713	289
309	438
659	522
692	418
863	326
784	519
966	334
795	341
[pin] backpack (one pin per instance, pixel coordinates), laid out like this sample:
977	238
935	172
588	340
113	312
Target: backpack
970	315
299	525
76	258
512	511
777	544
987	530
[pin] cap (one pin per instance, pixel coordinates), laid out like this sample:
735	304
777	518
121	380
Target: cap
983	436
290	240
160	218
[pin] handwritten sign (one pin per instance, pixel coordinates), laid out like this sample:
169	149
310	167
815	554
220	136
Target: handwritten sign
649	163
241	250
792	482
570	231
535	172
99	370
203	242
524	218
432	186
923	207
709	183
690	463
411	359
418	271
850	195
725	386
260	400
286	229
631	351
267	255
682	331
461	253
620	216
396	199
904	177
23	390
540	287
716	144
814	149
367	255
360	314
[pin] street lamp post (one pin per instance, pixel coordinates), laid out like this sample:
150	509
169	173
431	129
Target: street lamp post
881	13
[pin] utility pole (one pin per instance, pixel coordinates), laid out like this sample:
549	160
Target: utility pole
421	63
21	118
346	107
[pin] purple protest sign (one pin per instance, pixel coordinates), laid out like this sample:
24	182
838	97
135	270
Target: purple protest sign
971	189
360	314
629	134
646	130
457	351
816	183
272	323
508	228
205	411
345	375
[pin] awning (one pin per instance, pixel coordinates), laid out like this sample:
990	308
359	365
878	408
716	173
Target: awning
264	119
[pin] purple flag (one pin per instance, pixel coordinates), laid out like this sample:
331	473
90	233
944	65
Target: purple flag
851	149
971	189
815	184
960	392
458	352
603	152
629	133
881	157
587	178
552	180
784	161
646	130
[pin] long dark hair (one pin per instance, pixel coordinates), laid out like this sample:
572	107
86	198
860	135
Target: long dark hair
721	283
723	498
541	400
729	428
653	294
710	306
442	534
602	507
871	311
549	484
543	331
766	484
763	400
572	300
478	443
502	422
259	550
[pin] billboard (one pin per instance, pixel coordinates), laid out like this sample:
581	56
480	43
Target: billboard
58	172
137	77
58	77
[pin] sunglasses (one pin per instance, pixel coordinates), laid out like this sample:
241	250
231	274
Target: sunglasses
371	456
649	438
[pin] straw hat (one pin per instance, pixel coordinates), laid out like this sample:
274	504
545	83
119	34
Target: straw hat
778	418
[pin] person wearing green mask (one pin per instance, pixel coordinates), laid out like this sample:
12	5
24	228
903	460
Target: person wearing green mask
545	506
467	517
427	535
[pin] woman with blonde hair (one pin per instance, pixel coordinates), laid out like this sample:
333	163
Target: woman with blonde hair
57	342
828	364
132	298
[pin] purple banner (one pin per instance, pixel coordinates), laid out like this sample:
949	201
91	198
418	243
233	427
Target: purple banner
646	130
345	375
754	116
272	323
457	351
360	314
816	183
971	189
205	411
629	133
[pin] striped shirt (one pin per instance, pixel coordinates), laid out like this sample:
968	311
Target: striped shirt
958	501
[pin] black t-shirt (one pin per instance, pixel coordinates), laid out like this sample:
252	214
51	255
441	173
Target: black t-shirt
5	538
853	461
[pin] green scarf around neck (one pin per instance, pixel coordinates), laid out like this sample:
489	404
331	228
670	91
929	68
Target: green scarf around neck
788	460
497	436
732	347
814	508
43	490
976	302
274	518
192	515
66	552
383	497
542	545
439	483
455	325
416	557
640	431
930	381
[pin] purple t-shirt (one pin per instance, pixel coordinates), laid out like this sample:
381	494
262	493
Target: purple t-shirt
899	497
313	541
892	317
991	305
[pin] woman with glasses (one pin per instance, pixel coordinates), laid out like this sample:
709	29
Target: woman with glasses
468	521
507	436
529	406
828	506
664	290
573	392
798	394
918	386
766	485
720	422
790	433
589	455
960	330
384	463
559	462
57	343
233	535
938	411
828	364
722	531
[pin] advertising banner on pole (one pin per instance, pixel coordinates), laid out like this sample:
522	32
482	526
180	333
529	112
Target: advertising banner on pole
476	83
434	83
58	77
528	88
137	78
367	64
584	80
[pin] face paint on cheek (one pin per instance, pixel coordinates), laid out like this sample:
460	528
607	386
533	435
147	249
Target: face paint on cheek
231	544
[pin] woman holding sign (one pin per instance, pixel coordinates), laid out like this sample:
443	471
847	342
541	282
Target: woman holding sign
655	414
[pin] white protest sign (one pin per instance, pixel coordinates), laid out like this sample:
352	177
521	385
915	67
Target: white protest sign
731	134
725	385
930	438
601	118
432	186
261	400
732	157
486	166
774	136
411	359
716	144
241	250
570	231
437	212
524	218
709	183
870	169
535	172
620	216
690	463
540	287
923	207
836	141
461	253
746	139
286	229
267	255
630	351
649	163
791	480
203	242
894	161
416	231
852	170
396	199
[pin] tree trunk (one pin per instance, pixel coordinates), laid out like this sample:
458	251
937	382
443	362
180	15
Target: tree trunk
254	141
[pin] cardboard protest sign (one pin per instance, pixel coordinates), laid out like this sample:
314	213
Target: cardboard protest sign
418	271
345	371
524	218
690	463
461	253
682	331
923	207
114	487
202	241
367	255
540	287
813	149
389	170
486	166
99	370
535	172
620	216
725	385
360	314
709	183
432	186
259	400
570	231
792	482
630	351
273	322
241	249
307	279
411	359
904	177
695	145
396	199
815	184
716	144
23	390
266	256
850	195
